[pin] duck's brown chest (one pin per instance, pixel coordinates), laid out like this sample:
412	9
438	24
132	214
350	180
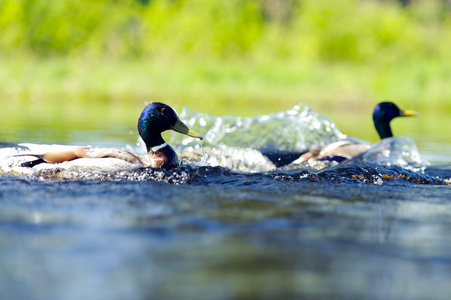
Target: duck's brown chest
163	158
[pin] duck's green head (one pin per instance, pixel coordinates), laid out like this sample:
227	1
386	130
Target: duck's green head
158	117
383	113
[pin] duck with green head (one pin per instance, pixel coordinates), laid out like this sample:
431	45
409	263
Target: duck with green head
155	118
343	151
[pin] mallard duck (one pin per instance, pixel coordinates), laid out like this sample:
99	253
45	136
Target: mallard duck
155	118
343	151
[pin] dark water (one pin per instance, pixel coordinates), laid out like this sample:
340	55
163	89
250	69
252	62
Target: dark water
360	231
332	234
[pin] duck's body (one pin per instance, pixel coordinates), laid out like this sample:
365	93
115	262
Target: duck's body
344	151
86	156
155	118
338	151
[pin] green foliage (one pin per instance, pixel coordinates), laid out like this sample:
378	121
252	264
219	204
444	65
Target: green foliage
351	30
124	29
356	31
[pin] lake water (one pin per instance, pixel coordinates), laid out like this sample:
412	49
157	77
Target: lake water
221	228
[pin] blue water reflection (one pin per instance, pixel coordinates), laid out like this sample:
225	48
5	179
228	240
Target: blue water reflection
116	240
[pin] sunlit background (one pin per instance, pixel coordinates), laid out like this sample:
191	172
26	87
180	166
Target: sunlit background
81	71
81	64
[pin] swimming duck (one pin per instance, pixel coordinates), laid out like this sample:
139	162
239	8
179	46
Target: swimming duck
343	151
155	118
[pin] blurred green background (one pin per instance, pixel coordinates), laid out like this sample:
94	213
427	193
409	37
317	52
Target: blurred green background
87	64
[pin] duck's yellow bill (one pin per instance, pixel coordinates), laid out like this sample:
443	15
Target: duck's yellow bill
408	113
180	127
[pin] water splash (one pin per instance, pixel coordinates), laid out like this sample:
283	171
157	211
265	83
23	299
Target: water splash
395	151
254	144
234	158
296	129
356	173
360	173
238	143
213	173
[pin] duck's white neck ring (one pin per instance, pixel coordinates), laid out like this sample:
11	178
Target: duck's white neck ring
156	148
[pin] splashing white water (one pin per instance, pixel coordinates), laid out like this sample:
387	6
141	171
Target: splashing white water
296	129
396	151
236	143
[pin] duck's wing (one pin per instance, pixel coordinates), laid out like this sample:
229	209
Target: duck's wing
311	154
61	153
346	149
54	153
343	149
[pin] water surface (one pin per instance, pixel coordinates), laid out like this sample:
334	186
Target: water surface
363	231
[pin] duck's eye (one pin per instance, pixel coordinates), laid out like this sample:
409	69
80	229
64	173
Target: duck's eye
165	111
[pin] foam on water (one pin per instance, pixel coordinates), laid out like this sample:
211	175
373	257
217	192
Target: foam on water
355	173
233	158
396	151
237	144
